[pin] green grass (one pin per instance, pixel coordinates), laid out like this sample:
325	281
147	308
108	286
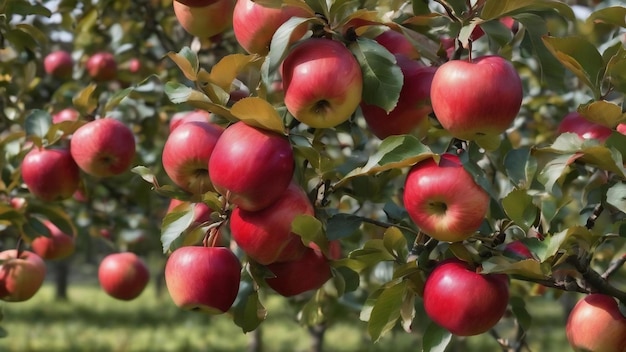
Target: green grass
92	321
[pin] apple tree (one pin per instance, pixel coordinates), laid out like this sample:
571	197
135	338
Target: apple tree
397	161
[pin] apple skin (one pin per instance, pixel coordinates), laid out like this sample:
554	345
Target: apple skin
596	324
50	174
20	278
443	200
205	21
188	116
202	212
102	67
265	235
67	114
294	277
59	64
250	166
411	112
255	24
518	249
621	128
577	123
103	147
123	275
397	44
186	155
478	99
463	301
203	278
322	82
57	246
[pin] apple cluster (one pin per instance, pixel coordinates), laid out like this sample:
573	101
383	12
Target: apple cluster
101	66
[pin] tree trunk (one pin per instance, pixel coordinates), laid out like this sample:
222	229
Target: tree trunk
317	337
62	270
256	340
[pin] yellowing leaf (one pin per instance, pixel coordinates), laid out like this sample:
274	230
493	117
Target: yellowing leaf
603	113
84	100
226	70
257	112
187	61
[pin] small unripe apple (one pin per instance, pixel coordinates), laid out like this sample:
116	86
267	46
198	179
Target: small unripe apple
20	277
322	82
102	67
443	199
58	245
596	324
59	64
123	275
203	278
50	174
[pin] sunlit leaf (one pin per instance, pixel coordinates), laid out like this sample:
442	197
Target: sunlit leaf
279	45
499	8
529	268
259	113
372	253
37	123
616	196
394	241
84	100
187	60
519	206
386	310
436	338
614	15
224	72
310	230
578	235
603	113
174	224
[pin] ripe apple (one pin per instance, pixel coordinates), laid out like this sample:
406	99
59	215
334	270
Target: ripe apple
186	155
596	324
265	235
577	123
322	82
294	277
50	174
443	200
411	112
58	245
67	114
59	64
255	24
123	275
477	99
397	43
103	147
250	166
203	278
188	116
518	250
20	277
205	21
463	301
621	128
101	66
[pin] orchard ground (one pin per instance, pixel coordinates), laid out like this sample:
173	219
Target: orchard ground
92	321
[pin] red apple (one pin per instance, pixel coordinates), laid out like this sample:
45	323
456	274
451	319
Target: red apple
577	123
202	212
188	116
596	324
67	114
59	64
203	278
58	245
255	24
102	67
621	128
518	249
50	174
186	155
20	277
397	43
477	99
134	65
265	235
294	277
123	275
103	147
443	200
463	301
205	21
411	112
322	82
250	166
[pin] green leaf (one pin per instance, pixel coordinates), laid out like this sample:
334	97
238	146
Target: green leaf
382	77
615	73
35	33
614	15
311	314
187	61
603	113
179	93
518	306
494	9
248	311
85	101
578	235
436	338
310	230
394	152
372	253
556	168
25	8
257	112
351	278
56	214
281	43
396	244
579	56
174	224
386	309
616	196
519	206
342	225
21	40
37	123
520	166
529	268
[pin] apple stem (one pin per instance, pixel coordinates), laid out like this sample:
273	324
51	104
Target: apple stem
212	235
18	247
